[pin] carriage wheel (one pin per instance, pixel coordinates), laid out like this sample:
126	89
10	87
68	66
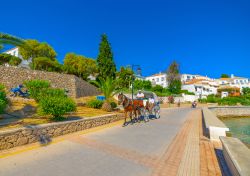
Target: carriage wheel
146	115
157	114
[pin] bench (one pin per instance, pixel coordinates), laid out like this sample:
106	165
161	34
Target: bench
214	127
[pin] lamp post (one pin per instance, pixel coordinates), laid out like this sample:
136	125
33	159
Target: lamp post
132	83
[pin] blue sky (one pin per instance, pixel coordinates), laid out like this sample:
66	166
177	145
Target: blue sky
207	37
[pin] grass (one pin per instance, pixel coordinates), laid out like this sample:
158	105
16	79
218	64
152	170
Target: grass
89	112
35	119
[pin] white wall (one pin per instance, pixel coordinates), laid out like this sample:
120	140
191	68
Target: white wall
200	89
158	79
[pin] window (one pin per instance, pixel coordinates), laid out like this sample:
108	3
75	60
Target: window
162	78
157	79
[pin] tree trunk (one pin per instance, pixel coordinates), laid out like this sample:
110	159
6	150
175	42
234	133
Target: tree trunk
106	106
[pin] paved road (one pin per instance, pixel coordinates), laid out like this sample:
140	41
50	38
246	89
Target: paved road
130	150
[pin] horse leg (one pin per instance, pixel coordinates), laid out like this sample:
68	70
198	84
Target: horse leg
136	114
131	117
125	119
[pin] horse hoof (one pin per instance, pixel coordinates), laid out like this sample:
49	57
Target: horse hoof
125	124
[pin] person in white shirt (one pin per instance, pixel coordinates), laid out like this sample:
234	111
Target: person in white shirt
151	100
140	95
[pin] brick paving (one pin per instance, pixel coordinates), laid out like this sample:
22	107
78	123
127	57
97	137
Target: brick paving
189	152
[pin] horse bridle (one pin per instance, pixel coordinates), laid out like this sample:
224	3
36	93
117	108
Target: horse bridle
128	101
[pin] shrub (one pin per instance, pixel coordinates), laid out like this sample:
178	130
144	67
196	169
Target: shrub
157	88
51	92
14	61
4	58
2	88
35	87
97	104
202	100
7	58
2	105
231	101
56	106
113	105
3	99
212	99
163	94
245	101
187	92
246	90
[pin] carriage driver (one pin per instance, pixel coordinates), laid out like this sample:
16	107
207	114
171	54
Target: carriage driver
140	95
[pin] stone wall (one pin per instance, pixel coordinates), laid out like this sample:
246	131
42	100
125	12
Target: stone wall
17	137
12	76
233	111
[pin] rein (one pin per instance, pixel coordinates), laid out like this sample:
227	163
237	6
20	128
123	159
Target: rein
128	102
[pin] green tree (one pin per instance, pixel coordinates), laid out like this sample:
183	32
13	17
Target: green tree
7	58
142	84
11	40
46	64
157	88
124	77
79	65
173	78
108	88
37	49
105	62
224	75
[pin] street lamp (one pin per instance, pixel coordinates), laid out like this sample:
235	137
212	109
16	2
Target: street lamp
138	73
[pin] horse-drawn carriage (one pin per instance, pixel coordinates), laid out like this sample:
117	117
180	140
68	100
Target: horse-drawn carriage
142	108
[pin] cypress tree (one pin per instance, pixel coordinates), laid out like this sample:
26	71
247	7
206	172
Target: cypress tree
173	78
105	62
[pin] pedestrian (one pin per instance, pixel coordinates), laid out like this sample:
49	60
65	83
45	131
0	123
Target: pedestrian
179	103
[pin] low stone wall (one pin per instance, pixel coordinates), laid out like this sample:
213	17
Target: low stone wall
214	127
237	155
13	76
21	136
231	111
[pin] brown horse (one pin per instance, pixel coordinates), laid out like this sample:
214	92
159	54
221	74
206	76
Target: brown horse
130	106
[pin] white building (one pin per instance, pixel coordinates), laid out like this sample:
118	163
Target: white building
188	77
201	87
234	81
15	52
158	79
161	78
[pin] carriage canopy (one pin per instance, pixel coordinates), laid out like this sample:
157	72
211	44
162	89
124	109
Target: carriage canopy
148	94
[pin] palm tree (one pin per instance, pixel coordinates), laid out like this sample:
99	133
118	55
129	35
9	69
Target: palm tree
107	86
10	39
